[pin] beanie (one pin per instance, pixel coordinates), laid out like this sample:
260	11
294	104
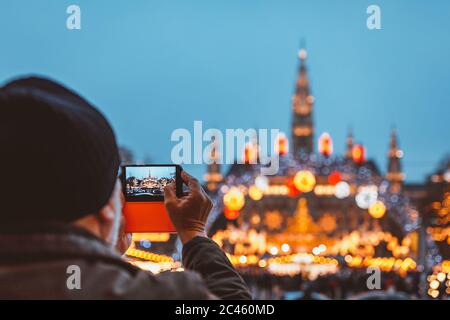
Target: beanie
58	155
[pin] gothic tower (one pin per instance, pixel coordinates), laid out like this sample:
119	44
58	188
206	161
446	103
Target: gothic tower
213	176
394	174
349	145
302	103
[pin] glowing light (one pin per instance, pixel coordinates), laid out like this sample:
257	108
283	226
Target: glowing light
234	199
281	144
285	247
262	183
334	178
325	144
277	190
377	210
434	293
273	251
342	190
366	196
304	181
441	276
262	263
324	190
243	259
302	54
434	284
251	153
358	153
255	219
255	193
231	214
447	175
291	189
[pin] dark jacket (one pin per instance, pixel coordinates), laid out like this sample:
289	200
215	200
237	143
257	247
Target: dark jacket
34	265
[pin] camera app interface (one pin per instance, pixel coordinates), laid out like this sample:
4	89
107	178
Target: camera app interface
149	181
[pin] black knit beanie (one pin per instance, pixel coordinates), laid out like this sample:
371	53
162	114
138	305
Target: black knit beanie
58	154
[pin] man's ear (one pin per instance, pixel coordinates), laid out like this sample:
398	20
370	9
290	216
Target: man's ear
108	212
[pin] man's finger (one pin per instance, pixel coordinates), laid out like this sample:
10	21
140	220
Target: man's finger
192	183
170	195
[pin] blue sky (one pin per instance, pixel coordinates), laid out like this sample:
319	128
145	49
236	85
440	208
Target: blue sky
145	172
154	66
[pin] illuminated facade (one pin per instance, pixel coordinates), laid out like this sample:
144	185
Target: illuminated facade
319	206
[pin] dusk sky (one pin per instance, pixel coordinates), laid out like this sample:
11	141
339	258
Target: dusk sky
155	66
145	172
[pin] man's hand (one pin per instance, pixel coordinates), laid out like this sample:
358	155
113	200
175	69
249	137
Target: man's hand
188	213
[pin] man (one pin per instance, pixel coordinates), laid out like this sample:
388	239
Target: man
61	209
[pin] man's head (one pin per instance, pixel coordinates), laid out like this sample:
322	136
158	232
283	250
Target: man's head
58	159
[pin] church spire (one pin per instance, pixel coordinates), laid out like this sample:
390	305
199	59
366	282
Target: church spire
394	174
302	102
349	145
213	176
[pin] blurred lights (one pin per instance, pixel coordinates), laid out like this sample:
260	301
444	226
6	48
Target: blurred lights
447	176
334	178
377	210
358	153
366	197
281	144
262	183
342	190
251	153
234	199
285	247
324	190
255	193
325	144
273	251
304	181
231	214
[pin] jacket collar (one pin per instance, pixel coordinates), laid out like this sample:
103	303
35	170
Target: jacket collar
52	241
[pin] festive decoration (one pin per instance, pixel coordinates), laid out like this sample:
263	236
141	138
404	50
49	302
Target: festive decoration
324	190
334	178
231	214
328	222
255	193
367	196
342	190
285	228
304	181
292	190
359	153
281	144
273	220
325	144
250	153
262	183
234	199
377	210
